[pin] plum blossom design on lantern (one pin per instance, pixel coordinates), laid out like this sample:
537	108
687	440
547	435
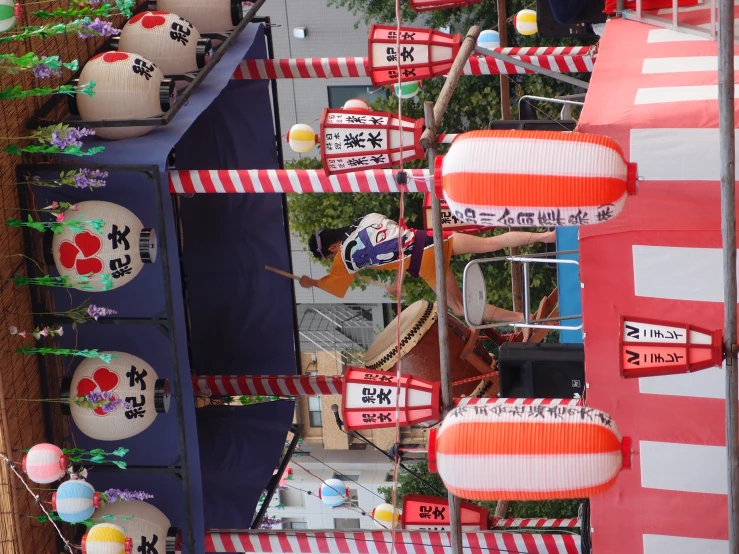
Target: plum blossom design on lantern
80	254
103	383
150	20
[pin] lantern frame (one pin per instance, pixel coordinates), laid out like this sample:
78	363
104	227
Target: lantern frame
483	513
420	6
409	414
413	148
381	74
715	349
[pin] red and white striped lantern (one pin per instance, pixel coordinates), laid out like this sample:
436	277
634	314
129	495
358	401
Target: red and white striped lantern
45	463
208	16
431	513
168	40
419	6
534	178
354	140
651	347
424	53
528	452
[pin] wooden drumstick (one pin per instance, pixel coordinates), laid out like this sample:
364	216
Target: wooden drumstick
283	273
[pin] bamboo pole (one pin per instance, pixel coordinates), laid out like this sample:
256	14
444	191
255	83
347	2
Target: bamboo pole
728	233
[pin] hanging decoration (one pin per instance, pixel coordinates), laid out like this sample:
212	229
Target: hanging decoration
301	138
127	86
528	452
357	104
534	178
110	258
208	16
127	378
148	527
424	53
370	399
419	6
431	513
489	39
106	538
353	140
75	501
7	15
386	516
651	347
45	463
287	475
168	40
525	22
407	90
333	492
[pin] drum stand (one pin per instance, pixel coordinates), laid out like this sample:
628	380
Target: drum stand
474	291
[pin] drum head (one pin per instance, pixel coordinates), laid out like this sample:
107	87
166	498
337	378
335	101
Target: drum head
475	295
414	322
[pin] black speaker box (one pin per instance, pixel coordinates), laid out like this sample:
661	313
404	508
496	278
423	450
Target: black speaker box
548	27
545	370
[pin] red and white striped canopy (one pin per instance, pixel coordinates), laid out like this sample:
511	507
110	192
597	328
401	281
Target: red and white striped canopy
655	91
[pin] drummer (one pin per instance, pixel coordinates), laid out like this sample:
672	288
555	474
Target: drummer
372	242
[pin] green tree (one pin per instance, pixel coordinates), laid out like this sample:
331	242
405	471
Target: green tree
408	484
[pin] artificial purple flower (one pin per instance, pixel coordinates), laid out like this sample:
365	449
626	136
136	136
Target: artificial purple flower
94	397
43	71
110	407
90	179
109	396
69	137
113	495
96	312
97	28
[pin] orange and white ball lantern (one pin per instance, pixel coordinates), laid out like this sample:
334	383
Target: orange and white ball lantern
106	538
168	40
386	516
354	140
132	381
149	526
208	16
99	261
525	22
357	104
45	463
127	86
534	178
301	138
528	452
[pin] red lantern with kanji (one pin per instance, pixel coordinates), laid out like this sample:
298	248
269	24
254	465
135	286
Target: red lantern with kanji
354	140
428	5
370	399
431	513
423	54
449	222
651	347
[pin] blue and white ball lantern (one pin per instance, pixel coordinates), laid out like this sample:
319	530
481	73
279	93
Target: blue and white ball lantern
489	39
75	501
333	492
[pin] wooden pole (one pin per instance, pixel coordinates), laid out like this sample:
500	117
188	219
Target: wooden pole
728	232
280	272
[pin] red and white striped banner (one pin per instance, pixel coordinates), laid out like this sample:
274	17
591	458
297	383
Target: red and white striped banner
564	59
539	522
461	402
380	542
297	180
269	385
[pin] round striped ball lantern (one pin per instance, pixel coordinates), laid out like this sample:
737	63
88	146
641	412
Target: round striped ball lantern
128	379
8	15
525	22
99	261
208	16
127	86
301	138
489	39
357	104
45	463
386	516
106	538
534	178
528	452
75	501
149	526
407	90
167	39
333	492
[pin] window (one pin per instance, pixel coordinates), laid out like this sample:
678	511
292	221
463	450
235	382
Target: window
353	498
296	524
292	498
389	477
338	95
314	411
346	523
348	477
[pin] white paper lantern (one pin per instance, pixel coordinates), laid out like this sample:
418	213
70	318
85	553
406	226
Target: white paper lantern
357	104
110	258
75	501
167	39
149	526
127	86
489	39
386	516
301	138
132	380
525	22
45	463
208	16
106	538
